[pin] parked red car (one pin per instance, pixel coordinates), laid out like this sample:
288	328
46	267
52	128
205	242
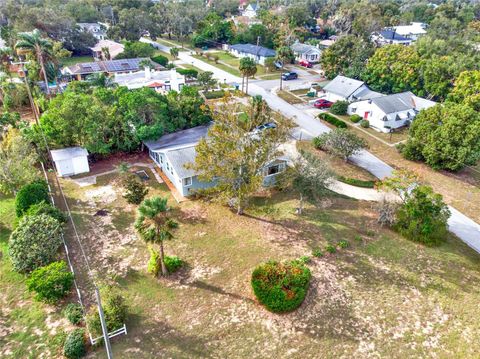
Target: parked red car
305	63
321	103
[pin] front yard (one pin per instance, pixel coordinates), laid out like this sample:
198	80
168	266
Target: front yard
383	296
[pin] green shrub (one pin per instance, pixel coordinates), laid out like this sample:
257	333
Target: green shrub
192	73
370	233
343	243
135	190
154	265
355	118
173	263
214	94
356	182
75	345
332	120
365	123
51	283
34	243
46	208
115	310
339	108
317	253
330	248
160	59
304	259
29	195
74	313
358	238
281	287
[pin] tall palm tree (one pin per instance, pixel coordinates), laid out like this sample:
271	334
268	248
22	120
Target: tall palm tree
248	68
154	224
33	43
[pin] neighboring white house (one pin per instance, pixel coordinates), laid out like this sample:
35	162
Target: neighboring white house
160	81
343	88
251	10
96	29
306	52
70	161
114	49
172	153
258	53
390	111
412	31
390	37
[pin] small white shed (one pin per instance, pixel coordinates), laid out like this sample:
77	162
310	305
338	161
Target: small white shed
70	161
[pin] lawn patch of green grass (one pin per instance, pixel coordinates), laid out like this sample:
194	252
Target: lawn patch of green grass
69	61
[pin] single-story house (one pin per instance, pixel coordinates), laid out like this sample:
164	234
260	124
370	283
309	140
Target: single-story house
343	88
412	31
258	53
70	161
99	31
251	10
160	81
306	52
114	49
390	111
172	152
390	37
110	67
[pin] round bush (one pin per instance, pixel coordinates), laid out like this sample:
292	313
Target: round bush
281	287
115	310
73	312
339	108
34	243
29	195
173	263
46	208
355	118
51	282
75	344
365	123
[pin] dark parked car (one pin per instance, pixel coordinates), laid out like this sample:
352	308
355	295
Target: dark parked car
289	76
268	125
322	103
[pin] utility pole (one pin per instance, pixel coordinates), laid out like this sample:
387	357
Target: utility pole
29	91
106	338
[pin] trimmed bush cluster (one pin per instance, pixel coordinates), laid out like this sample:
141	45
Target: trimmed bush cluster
75	344
49	210
355	118
35	242
332	120
160	59
339	108
135	190
173	263
51	283
29	195
365	123
73	312
356	182
115	310
214	94
192	73
281	287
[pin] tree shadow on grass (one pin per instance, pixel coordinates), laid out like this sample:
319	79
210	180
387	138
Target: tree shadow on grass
214	289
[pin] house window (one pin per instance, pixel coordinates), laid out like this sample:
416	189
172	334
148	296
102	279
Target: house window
354	109
274	169
187	181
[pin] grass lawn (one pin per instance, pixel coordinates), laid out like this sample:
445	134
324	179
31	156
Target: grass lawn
76	60
167	55
229	69
290	98
28	329
383	296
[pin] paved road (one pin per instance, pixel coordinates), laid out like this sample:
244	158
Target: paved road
465	228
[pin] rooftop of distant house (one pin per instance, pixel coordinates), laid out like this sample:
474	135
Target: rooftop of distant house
123	65
254	50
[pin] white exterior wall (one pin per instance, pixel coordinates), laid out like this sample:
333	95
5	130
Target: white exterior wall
375	115
310	57
258	59
80	165
72	166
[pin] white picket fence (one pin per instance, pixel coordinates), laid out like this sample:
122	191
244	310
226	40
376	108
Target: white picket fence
119	331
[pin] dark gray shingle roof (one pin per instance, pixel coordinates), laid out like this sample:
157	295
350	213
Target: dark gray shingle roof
254	50
395	103
179	138
393	35
343	86
180	157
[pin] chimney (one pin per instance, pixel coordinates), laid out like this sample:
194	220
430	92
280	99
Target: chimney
148	74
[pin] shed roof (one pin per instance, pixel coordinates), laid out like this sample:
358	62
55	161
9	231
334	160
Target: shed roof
343	86
254	50
68	153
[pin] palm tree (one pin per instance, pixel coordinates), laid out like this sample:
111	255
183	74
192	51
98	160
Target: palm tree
284	54
154	224
174	52
248	68
33	43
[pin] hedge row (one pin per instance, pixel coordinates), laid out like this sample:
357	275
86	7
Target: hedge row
356	182
214	94
332	120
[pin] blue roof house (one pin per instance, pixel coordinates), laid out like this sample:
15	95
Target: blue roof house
258	53
172	152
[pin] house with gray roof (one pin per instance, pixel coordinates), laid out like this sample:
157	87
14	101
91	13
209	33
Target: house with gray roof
390	112
258	53
99	31
174	151
110	67
251	10
306	52
390	37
